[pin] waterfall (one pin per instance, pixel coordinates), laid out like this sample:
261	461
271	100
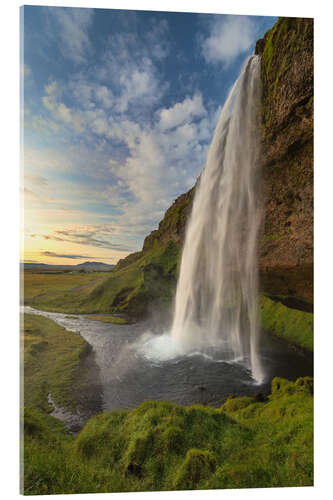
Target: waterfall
216	299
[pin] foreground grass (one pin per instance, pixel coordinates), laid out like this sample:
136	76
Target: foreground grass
162	446
51	362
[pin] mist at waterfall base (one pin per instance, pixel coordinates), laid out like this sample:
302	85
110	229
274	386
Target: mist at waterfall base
216	299
126	366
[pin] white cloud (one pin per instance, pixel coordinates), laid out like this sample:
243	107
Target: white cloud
229	37
128	68
163	158
36	160
59	110
104	96
73	32
143	157
161	163
181	112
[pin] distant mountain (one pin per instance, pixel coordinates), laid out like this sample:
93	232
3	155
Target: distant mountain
94	266
85	266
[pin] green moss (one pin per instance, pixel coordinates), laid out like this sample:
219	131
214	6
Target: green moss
281	387
198	466
163	446
41	426
290	324
172	439
272	237
52	360
140	447
282	43
234	404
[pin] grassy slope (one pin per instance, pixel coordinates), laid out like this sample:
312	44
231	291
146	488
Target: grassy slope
43	283
290	324
130	290
51	361
163	446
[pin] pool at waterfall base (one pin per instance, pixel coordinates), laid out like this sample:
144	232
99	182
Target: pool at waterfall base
133	363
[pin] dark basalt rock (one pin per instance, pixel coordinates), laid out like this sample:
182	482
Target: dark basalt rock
286	246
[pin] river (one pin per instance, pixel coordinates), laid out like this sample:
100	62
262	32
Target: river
130	373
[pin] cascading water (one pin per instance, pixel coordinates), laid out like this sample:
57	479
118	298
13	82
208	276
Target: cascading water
216	299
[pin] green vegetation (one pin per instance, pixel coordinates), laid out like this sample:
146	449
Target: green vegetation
149	280
46	283
249	441
290	324
272	237
163	446
51	363
284	42
117	320
152	280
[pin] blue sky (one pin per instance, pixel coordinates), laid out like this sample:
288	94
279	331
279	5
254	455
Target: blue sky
119	110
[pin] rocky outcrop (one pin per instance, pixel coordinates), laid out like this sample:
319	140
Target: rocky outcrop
286	246
171	228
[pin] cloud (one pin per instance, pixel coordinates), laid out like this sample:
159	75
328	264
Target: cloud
91	235
46	237
104	96
26	70
35	179
129	66
163	161
30	195
65	256
230	36
181	112
72	32
51	101
147	163
45	161
127	151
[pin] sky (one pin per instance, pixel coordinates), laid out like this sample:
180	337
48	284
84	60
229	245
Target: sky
118	110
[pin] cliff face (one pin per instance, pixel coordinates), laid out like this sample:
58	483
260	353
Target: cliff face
286	247
286	241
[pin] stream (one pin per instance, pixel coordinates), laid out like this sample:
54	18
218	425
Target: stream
129	374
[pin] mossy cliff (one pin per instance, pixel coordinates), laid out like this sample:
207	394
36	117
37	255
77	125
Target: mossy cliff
286	251
286	244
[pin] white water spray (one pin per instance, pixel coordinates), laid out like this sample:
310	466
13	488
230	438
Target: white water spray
216	300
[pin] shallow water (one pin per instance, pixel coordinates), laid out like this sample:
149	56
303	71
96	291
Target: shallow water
136	364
